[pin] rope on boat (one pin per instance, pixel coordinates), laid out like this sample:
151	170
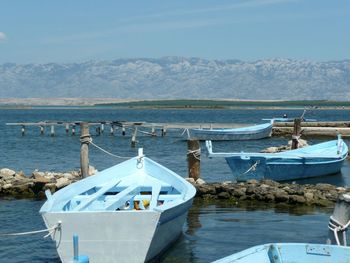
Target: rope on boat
147	133
253	167
196	153
107	152
338	227
296	137
51	230
187	131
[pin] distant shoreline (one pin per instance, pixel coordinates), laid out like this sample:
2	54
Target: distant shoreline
98	103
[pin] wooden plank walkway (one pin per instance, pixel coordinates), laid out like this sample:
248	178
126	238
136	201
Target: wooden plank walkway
279	128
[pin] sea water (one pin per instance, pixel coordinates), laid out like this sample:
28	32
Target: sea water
213	229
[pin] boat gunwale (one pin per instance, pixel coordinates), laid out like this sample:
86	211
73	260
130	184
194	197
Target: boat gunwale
187	193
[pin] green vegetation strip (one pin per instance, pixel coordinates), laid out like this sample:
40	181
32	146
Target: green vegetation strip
226	103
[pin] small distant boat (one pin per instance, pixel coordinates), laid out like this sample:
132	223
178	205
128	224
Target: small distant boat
130	212
286	119
316	160
254	132
290	253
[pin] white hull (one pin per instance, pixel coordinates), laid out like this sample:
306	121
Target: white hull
130	212
128	236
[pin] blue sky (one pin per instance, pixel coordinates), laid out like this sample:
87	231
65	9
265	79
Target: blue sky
43	31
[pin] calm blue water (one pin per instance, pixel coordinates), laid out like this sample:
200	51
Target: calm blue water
213	229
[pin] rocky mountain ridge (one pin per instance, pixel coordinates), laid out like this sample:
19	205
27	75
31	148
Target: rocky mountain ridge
178	78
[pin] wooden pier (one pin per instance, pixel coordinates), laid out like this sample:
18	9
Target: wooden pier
328	128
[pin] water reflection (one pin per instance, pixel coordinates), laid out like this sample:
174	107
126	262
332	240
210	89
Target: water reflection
218	228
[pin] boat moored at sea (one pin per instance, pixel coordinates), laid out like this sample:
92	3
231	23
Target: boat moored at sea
254	132
311	161
290	253
130	212
336	249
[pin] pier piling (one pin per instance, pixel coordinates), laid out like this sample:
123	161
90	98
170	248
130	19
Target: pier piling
84	150
296	133
338	222
163	131
153	131
133	138
42	129
52	130
193	159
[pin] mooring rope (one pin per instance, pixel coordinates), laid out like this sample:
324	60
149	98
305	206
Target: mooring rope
196	153
296	137
107	152
51	230
337	227
186	131
252	168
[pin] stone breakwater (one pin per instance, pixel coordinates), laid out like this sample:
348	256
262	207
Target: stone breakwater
270	191
17	185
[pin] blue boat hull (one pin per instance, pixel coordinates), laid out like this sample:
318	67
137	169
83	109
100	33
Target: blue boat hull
290	253
260	168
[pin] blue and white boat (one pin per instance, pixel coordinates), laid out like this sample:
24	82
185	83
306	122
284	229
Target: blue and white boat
316	160
290	253
130	212
254	132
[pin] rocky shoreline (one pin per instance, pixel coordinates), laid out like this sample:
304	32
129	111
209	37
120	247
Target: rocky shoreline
17	185
272	192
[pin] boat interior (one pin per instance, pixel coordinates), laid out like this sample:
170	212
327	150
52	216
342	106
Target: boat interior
115	195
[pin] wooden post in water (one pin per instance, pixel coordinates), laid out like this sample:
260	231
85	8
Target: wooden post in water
84	150
42	130
52	130
339	219
133	138
296	133
193	158
98	130
163	131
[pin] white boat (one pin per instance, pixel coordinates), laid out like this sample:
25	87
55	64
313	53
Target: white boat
130	212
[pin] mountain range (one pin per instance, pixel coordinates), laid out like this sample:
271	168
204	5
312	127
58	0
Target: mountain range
179	78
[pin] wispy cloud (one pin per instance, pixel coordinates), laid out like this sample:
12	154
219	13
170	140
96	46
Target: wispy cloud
149	23
237	5
3	37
